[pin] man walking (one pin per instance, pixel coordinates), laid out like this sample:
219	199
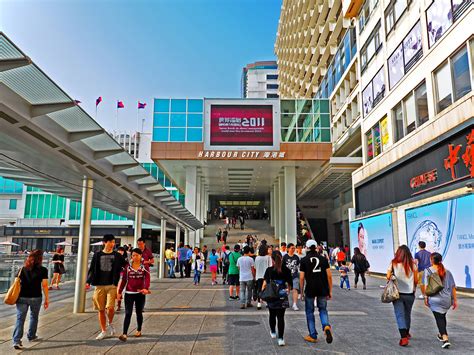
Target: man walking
225	261
182	253
233	277
315	271
422	259
292	262
189	255
147	256
104	274
170	258
246	267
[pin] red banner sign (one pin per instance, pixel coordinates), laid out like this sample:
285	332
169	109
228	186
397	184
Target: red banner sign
250	125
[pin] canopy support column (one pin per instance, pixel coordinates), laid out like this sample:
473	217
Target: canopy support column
290	204
138	225
162	262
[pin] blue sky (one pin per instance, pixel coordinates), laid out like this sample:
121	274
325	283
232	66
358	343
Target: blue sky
140	49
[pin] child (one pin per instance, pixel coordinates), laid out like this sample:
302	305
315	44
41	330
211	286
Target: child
197	264
213	262
136	282
343	269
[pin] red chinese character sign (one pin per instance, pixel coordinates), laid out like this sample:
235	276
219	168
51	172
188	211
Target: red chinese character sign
468	156
241	125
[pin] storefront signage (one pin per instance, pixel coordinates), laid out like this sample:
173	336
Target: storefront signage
217	154
242	125
449	162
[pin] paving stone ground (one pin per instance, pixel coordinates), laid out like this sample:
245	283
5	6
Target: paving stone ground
181	318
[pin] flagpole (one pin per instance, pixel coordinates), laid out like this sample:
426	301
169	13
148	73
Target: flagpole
143	123
138	113
116	119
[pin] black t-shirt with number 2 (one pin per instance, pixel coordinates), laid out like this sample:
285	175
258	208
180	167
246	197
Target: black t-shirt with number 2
314	267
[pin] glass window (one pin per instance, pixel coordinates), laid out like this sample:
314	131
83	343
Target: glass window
389	19
178	120
377	140
272	96
162	105
160	134
194	135
367	99
410	113
399	6
370	149
161	120
421	104
395	66
272	76
178	105
194	120
12	205
438	19
444	87
272	86
398	113
461	76
287	106
195	105
177	134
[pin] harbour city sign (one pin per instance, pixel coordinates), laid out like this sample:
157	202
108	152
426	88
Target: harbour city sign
229	154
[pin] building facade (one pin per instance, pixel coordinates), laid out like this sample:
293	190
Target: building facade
260	80
416	65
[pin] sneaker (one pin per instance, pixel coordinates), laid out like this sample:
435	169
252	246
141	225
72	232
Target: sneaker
111	330
259	306
439	337
348	289
101	335
273	335
421	297
237	298
295	307
281	342
18	347
446	344
242	306
327	331
403	342
35	338
123	337
310	339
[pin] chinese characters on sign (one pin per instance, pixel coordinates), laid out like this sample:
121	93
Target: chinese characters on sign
216	154
468	156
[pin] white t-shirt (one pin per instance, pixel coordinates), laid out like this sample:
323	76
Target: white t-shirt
405	283
245	264
262	263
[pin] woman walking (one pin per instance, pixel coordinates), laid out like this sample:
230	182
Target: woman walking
213	263
34	277
135	282
281	276
404	269
361	265
440	302
58	268
262	262
197	264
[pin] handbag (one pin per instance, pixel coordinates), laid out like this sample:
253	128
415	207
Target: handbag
270	293
434	284
390	292
13	292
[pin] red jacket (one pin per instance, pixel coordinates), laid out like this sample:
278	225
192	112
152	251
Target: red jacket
134	280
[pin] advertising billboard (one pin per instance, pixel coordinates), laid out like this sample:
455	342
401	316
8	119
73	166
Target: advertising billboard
447	228
374	237
241	125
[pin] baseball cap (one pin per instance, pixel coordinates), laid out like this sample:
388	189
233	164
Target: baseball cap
310	243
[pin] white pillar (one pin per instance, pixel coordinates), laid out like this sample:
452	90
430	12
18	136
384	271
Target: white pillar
83	247
281	207
186	236
137	233
197	234
177	237
162	262
290	204
190	198
271	208
276	207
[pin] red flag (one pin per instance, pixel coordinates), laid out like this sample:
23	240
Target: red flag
141	105
77	102
120	104
98	101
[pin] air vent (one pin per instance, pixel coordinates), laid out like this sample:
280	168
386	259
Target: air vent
8	118
73	157
95	170
38	136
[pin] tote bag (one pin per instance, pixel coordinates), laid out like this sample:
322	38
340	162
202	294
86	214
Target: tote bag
390	292
434	284
270	293
14	291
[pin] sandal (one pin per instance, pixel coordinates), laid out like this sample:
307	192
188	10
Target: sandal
138	334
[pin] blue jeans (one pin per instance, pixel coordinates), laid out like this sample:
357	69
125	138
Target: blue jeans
197	276
322	303
345	279
402	308
246	291
22	306
170	263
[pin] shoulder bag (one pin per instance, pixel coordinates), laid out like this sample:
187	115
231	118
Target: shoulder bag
13	292
270	293
434	284
390	292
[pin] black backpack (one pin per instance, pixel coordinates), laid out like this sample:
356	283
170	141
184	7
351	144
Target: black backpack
226	259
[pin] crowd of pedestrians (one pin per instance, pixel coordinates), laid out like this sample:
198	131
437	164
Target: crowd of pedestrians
277	275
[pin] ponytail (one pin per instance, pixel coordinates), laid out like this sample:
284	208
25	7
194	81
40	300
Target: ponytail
437	260
277	261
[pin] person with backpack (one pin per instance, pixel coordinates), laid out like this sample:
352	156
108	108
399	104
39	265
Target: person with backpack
225	264
279	275
213	263
135	284
361	266
439	290
423	261
262	262
233	278
197	264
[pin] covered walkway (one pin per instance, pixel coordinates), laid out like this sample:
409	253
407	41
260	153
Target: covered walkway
181	318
